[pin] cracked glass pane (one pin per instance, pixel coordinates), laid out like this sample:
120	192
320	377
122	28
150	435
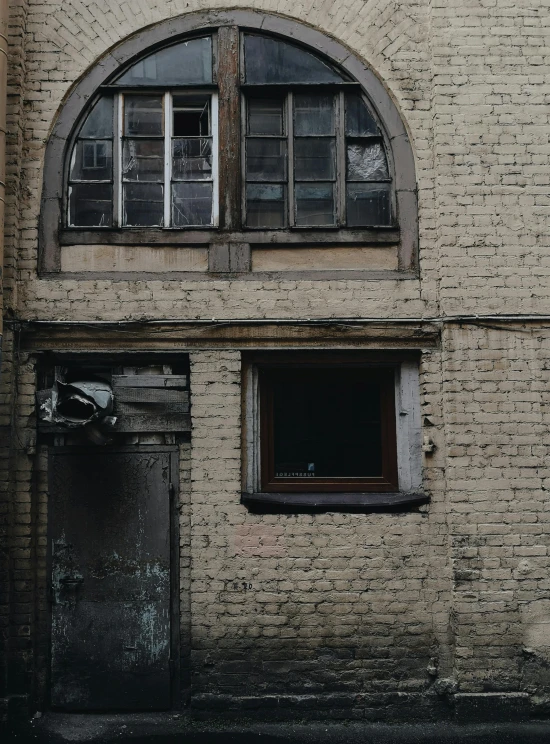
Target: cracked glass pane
191	204
191	159
143	160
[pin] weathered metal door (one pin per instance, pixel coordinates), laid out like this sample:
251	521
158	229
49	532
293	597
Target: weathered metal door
111	580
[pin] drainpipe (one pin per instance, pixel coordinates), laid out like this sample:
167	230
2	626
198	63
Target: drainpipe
4	15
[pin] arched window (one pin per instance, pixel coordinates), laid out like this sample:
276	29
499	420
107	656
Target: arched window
230	129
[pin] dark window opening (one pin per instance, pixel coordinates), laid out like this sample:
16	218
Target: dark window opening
328	429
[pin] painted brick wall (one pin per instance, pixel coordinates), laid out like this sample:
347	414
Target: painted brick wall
368	612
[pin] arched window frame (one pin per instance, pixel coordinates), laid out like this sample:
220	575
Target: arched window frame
226	27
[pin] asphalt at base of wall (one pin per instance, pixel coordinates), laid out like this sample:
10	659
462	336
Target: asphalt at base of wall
169	728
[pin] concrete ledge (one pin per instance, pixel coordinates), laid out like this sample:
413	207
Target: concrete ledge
491	707
391	707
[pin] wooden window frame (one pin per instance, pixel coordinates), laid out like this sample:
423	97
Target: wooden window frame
226	30
401	482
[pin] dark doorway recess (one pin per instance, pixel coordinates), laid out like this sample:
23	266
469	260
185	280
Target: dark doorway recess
113	578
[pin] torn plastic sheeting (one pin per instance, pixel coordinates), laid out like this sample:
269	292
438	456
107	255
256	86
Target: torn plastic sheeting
75	404
367	162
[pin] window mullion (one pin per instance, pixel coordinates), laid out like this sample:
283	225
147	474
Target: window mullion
229	130
117	160
340	160
290	134
167	158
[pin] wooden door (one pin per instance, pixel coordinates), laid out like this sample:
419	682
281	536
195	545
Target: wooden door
109	535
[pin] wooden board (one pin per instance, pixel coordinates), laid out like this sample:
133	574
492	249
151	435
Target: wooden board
149	381
145	395
154	423
150	409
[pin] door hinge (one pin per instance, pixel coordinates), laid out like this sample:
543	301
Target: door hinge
171	490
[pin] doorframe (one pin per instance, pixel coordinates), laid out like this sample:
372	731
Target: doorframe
173	494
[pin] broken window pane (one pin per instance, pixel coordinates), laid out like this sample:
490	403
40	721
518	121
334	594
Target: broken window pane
266	160
191	159
265	205
100	120
143	115
92	160
366	162
265	116
143	160
191	204
187	63
368	204
91	205
143	204
191	116
313	114
273	61
314	159
359	120
314	204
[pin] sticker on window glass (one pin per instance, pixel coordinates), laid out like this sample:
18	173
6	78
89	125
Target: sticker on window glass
295	470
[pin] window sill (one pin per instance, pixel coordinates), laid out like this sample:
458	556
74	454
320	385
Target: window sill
364	502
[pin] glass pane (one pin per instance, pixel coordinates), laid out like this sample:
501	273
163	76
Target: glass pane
266	160
265	205
359	120
265	117
314	204
366	162
144	204
92	161
91	205
313	114
100	120
368	204
191	204
191	116
273	61
313	159
143	115
307	405
143	160
191	159
188	63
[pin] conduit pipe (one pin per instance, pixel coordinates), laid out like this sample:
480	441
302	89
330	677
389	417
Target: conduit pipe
4	15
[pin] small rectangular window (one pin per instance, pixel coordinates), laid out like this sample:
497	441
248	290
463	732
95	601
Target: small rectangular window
332	429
